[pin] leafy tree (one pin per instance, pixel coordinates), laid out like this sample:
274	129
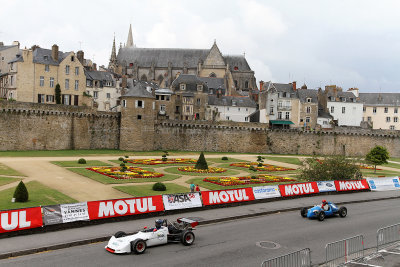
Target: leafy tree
201	163
260	161
21	193
330	168
58	94
377	156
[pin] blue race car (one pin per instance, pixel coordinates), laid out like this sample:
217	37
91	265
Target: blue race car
320	213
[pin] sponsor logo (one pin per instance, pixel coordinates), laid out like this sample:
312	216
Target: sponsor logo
160	236
299	189
372	184
122	207
228	196
179	198
14	220
265	190
396	182
351	185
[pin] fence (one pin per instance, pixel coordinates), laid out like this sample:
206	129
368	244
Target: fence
387	235
300	258
345	250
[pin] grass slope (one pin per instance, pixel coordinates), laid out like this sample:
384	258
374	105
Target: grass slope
5	170
74	163
7	180
146	190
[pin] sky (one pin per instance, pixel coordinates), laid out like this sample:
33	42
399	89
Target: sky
350	43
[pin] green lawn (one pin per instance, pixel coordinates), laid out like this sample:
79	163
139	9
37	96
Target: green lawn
295	161
152	166
146	190
108	180
39	194
7	180
74	163
174	170
391	165
5	170
371	173
219	160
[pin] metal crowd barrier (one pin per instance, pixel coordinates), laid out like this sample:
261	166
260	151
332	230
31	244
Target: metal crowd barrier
344	251
387	235
300	258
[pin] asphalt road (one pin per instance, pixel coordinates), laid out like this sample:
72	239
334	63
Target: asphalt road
236	243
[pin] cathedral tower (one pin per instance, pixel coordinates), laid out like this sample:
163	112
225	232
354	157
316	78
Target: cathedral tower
129	42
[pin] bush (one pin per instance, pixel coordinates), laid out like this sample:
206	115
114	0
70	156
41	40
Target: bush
253	177
252	168
201	163
123	169
121	159
224	158
159	187
21	193
126	156
82	161
122	164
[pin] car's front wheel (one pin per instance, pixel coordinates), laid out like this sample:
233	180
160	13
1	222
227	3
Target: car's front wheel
321	216
187	238
342	212
138	246
303	212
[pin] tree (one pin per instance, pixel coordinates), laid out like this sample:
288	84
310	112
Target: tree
377	156
21	193
165	155
58	94
260	161
201	163
329	168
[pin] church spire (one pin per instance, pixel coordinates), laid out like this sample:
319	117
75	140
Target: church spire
129	42
113	57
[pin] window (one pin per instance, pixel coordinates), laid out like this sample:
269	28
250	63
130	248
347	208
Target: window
200	87
279	115
41	98
66	84
246	84
236	83
139	117
308	110
386	110
162	108
374	110
392	127
395	119
308	100
369	119
227	118
343	110
271	110
212	74
238	109
46	68
395	110
287	115
139	104
51	82
108	95
66	69
183	86
41	82
88	83
46	57
157	97
332	109
280	104
167	98
76	85
49	98
72	58
66	99
124	103
95	94
187	109
246	118
198	101
364	109
308	119
76	70
247	109
387	119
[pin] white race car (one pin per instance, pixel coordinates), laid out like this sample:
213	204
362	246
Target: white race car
164	232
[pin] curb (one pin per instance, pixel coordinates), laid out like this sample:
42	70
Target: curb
205	222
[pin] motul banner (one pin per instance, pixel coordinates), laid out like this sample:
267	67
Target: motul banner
288	190
227	196
384	183
182	201
351	185
123	207
21	219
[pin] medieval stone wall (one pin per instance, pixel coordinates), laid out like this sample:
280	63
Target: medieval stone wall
27	126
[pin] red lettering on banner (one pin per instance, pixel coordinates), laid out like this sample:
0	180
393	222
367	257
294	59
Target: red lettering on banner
351	185
298	189
15	220
123	207
227	196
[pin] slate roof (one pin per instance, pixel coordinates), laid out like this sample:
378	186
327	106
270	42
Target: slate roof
164	91
280	87
380	99
4	47
99	76
343	95
137	89
237	61
191	82
39	55
303	94
213	83
227	101
18	58
324	114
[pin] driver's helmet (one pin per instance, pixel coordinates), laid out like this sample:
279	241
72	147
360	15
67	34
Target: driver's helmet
159	222
324	201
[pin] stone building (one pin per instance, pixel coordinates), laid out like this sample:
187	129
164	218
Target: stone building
308	107
34	74
163	65
230	108
7	53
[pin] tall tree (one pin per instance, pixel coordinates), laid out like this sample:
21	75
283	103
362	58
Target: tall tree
377	156
58	94
201	163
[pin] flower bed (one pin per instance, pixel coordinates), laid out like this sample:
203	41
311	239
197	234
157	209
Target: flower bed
130	173
209	170
259	179
160	161
362	166
264	167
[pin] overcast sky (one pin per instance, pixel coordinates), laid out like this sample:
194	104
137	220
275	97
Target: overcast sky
350	43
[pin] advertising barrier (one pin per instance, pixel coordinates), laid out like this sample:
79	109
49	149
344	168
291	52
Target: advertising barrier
123	207
351	185
227	196
288	190
384	183
20	219
326	186
182	201
65	213
262	192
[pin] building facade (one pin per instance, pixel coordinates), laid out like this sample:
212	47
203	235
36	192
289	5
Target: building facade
230	108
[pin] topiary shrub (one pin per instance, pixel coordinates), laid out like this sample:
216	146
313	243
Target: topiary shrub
224	158
82	161
21	193
122	164
121	159
159	187
126	156
201	163
123	169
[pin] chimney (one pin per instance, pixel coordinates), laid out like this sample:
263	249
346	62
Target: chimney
54	52
124	82
94	66
261	85
1	44
15	43
294	85
80	55
354	91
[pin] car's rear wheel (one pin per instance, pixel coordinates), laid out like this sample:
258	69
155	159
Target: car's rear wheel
321	216
138	246
342	212
187	238
119	234
303	212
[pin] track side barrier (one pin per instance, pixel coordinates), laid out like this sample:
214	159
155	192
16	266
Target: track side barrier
344	251
300	258
387	236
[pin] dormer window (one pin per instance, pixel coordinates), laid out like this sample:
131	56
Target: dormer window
236	68
332	98
308	100
46	57
200	87
182	86
234	103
